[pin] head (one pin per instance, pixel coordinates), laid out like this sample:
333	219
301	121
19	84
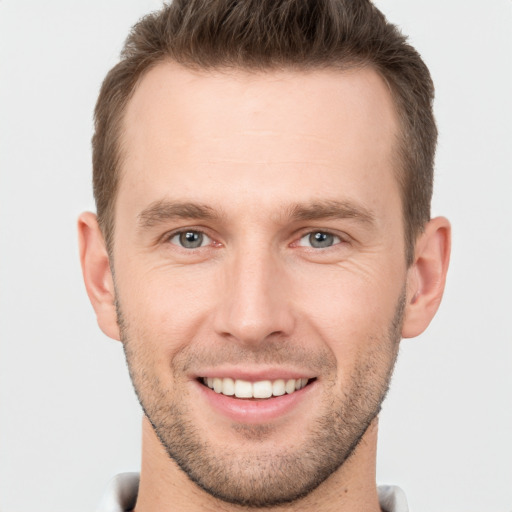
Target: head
263	174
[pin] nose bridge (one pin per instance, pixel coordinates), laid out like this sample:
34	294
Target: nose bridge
253	303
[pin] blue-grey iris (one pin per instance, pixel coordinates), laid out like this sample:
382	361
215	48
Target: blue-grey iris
191	239
319	239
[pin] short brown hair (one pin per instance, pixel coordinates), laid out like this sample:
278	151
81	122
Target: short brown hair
274	34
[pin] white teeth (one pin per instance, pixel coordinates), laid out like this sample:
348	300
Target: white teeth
228	387
290	386
278	387
217	385
243	389
259	389
262	389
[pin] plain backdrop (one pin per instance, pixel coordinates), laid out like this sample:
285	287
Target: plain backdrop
68	416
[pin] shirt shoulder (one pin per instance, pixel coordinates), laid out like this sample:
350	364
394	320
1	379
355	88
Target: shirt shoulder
120	494
392	499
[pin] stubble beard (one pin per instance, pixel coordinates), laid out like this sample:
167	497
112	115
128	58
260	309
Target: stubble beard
268	478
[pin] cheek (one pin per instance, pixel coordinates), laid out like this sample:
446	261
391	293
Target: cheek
348	310
167	306
337	295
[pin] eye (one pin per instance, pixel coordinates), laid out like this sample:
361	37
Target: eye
190	239
319	240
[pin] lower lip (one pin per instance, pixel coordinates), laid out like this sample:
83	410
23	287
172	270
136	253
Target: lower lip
255	411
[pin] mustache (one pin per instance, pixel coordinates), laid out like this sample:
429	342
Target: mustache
278	353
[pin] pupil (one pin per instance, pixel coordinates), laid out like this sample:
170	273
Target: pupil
191	239
320	239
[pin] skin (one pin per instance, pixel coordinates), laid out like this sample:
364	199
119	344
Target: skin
257	162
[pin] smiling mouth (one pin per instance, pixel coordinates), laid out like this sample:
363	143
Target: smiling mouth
260	389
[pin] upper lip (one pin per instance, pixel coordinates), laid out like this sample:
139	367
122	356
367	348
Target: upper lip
254	375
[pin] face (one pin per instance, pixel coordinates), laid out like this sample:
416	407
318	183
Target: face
260	270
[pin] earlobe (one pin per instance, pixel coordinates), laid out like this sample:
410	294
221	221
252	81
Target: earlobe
427	276
97	273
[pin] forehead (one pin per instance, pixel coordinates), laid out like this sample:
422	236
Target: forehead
203	129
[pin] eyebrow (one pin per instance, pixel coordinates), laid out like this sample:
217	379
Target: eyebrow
165	210
332	209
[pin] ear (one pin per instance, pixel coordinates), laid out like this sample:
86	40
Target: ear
426	277
97	274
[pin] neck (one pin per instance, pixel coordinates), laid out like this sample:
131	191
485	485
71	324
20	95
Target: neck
165	487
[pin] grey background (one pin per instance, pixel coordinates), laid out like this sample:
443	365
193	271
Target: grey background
68	417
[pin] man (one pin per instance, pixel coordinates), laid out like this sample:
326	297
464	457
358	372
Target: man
263	175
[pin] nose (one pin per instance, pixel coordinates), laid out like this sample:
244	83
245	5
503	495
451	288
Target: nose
254	301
